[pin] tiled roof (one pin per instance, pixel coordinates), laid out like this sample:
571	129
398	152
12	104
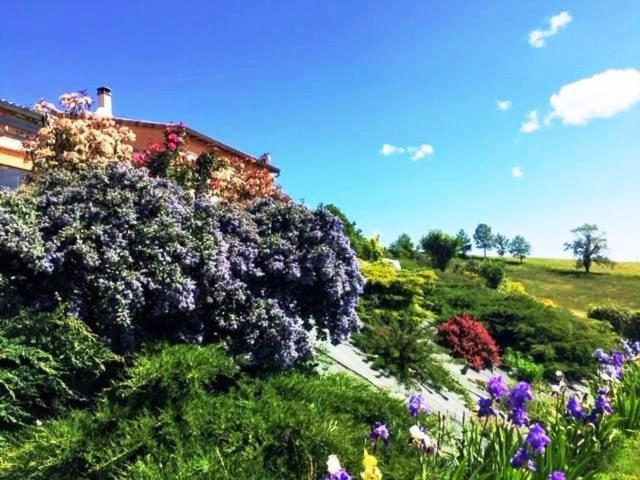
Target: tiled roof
204	138
22	109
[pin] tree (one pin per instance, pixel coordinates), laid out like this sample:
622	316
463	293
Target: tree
440	247
464	243
483	238
519	248
588	247
501	243
403	247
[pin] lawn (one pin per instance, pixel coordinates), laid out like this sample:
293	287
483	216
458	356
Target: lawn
559	280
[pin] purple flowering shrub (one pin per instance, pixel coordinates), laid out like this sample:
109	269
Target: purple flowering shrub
138	258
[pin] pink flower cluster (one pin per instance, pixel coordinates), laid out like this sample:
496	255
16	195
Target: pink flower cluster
174	138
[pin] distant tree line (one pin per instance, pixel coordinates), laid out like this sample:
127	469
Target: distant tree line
438	248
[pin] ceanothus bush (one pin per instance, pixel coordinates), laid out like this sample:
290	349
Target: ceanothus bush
139	258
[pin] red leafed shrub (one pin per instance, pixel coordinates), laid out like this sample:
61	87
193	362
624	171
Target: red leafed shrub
469	339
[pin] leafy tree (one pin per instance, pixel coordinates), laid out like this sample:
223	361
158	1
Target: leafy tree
484	238
440	247
403	247
588	247
464	243
501	243
519	248
365	248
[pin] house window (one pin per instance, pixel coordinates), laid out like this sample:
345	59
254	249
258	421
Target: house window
11	177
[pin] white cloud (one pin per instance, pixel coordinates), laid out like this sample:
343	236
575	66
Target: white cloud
420	152
557	22
517	172
417	152
531	124
388	149
600	96
503	104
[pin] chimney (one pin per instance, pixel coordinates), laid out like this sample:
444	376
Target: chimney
104	102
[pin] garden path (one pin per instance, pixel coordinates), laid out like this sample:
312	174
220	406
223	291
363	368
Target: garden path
346	357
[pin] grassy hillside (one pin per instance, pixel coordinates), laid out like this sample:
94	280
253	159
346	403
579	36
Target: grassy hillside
560	281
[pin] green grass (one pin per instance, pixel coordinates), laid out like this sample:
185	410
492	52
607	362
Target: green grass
624	463
560	281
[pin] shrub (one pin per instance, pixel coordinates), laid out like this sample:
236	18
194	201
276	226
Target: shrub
493	272
397	335
623	320
366	248
522	366
543	332
440	247
470	340
50	361
138	259
509	287
74	139
185	411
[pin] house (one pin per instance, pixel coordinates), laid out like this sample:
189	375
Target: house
18	123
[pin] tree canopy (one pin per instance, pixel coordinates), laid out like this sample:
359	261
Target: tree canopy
588	246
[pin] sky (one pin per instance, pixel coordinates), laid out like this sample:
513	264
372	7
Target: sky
408	115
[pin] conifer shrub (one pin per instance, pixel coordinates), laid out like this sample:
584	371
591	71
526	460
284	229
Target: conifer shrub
622	320
188	411
526	325
50	362
469	339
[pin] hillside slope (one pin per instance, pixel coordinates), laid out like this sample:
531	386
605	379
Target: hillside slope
560	281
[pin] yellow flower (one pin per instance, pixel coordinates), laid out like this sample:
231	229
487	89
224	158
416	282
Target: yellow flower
371	470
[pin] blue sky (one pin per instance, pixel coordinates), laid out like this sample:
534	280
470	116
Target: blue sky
324	85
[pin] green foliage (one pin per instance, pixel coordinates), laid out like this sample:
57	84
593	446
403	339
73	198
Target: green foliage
624	321
522	366
397	334
403	248
527	326
186	411
366	248
50	361
493	272
483	237
589	246
464	244
519	248
501	242
440	247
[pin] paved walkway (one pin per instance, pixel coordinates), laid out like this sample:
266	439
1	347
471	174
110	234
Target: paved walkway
348	358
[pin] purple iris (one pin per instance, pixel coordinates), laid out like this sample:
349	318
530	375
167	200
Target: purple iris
379	431
518	398
519	417
557	475
601	356
339	475
520	395
537	439
522	458
574	408
417	404
496	387
602	404
485	408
